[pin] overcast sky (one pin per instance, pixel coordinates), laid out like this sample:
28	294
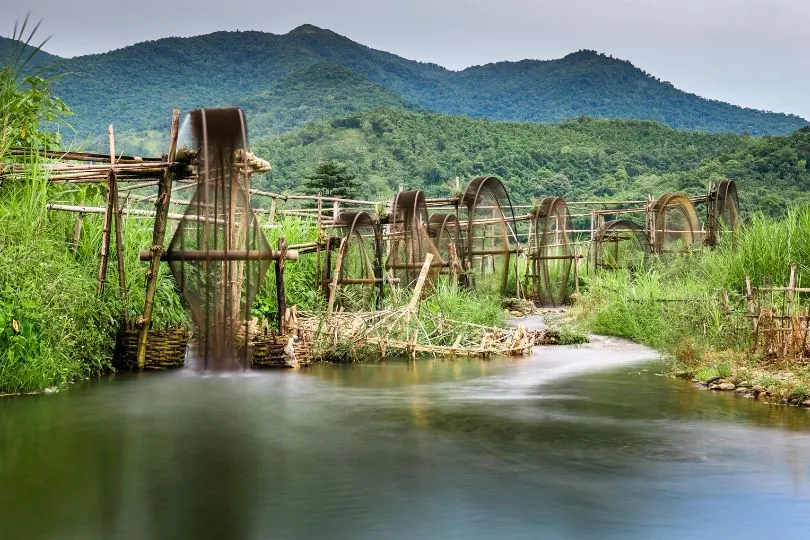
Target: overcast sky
748	52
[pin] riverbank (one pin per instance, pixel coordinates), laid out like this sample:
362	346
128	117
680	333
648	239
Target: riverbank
694	308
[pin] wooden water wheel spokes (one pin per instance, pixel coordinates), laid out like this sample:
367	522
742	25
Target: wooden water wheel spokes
445	230
409	239
551	253
491	239
620	244
352	256
675	223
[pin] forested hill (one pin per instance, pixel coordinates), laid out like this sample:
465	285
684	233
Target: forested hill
12	52
577	159
136	87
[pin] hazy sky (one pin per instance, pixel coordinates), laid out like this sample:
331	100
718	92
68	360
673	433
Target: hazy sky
748	52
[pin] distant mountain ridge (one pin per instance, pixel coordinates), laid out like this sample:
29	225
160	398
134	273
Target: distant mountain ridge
135	87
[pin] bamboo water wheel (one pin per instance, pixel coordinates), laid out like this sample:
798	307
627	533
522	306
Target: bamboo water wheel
620	244
489	220
551	253
409	239
675	223
353	262
723	210
219	255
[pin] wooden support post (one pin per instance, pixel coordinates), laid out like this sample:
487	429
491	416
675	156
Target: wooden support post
420	283
335	211
119	234
791	290
336	277
281	295
789	297
112	194
455	265
162	209
272	219
318	231
77	230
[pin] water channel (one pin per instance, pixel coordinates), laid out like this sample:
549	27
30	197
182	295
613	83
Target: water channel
574	442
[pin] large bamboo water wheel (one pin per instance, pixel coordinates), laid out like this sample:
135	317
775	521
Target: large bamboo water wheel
219	255
489	220
353	253
675	223
619	244
409	239
551	254
723	211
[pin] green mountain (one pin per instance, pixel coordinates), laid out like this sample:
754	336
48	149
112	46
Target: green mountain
12	52
317	92
135	87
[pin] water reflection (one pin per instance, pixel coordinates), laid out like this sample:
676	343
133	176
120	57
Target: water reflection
544	447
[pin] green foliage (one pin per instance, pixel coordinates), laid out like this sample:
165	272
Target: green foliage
571	336
321	91
26	102
299	276
332	179
53	325
674	303
448	301
583	159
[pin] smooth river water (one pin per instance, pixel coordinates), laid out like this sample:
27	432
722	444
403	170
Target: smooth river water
584	442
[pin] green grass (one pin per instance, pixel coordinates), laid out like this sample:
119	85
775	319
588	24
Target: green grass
674	303
54	327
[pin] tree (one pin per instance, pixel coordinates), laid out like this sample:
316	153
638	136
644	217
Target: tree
332	178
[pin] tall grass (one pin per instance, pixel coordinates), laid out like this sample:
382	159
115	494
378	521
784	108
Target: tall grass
54	327
674	302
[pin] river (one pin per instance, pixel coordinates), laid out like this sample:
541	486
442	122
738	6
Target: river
574	442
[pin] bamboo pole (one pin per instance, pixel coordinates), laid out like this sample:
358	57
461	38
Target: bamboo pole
162	209
222	255
77	231
128	211
119	239
336	277
318	233
81	156
112	193
420	282
281	295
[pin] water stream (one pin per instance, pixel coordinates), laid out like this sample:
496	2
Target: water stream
575	442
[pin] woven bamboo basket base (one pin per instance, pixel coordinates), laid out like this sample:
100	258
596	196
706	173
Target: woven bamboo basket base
271	351
164	348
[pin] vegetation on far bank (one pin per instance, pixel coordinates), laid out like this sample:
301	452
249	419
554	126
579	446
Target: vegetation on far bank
674	304
578	160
